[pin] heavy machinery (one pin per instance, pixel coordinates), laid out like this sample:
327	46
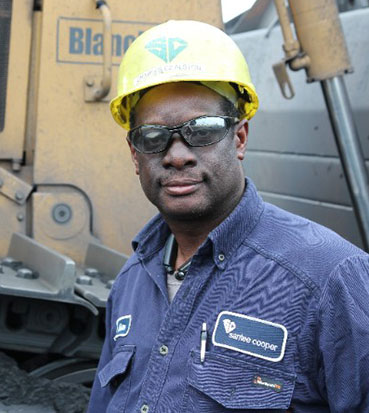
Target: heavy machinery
292	155
69	200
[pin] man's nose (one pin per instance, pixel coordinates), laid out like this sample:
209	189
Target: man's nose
179	154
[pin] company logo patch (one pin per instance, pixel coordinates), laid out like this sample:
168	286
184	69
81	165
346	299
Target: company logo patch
229	325
267	383
123	325
166	49
250	335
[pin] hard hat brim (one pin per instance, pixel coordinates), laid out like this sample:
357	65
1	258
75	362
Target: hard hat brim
120	106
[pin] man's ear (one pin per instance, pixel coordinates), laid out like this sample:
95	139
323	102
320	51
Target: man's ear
134	157
241	134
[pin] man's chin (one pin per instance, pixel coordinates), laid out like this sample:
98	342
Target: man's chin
184	213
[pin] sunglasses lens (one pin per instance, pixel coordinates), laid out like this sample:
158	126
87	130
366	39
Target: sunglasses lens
205	130
149	139
201	131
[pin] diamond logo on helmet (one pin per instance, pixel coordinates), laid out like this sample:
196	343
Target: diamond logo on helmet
166	48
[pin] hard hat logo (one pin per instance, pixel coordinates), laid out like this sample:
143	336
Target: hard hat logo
166	49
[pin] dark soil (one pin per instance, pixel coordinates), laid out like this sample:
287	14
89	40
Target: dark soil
17	387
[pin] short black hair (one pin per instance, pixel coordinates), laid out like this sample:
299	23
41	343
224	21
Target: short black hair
228	108
132	118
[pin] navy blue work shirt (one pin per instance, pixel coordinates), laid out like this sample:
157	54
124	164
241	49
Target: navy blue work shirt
285	302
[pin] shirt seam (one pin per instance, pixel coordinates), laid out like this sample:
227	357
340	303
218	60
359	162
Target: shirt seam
146	233
345	260
322	298
284	263
258	213
257	216
136	261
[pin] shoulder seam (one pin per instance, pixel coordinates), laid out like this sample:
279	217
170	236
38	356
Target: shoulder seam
258	214
346	259
335	268
302	276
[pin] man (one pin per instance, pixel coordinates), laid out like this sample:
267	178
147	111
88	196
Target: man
228	304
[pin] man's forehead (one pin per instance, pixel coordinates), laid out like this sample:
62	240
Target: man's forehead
175	102
179	88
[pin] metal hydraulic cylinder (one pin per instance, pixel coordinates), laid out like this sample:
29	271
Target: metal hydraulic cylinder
349	148
320	35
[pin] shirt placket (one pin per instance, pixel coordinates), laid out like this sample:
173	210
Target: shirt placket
172	327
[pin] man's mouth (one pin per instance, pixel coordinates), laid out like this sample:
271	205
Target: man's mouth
180	187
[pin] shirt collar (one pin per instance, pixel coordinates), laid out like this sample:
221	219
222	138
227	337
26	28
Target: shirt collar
151	238
226	237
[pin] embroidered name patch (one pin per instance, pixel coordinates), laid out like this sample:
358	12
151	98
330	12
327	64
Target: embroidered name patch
123	324
250	335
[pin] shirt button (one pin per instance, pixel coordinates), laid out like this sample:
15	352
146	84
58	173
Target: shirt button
221	257
163	350
144	408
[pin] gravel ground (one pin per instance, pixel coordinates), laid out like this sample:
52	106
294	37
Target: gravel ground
23	408
20	393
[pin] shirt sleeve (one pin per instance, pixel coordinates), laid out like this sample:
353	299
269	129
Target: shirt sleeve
344	336
100	397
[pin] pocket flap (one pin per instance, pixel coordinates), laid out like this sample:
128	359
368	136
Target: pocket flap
237	384
117	365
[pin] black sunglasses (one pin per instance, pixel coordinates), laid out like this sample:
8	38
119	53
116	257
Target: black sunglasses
201	131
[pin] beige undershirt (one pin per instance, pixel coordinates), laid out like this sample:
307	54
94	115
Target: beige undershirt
173	286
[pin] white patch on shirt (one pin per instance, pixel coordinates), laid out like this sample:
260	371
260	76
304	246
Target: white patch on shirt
123	325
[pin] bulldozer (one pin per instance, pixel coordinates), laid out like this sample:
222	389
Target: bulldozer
70	202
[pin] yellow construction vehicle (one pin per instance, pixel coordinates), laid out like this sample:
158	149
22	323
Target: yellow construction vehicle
70	202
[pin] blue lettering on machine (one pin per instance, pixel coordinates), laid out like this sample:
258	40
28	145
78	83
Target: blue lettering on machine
250	335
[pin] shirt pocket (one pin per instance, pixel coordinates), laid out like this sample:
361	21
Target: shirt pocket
224	384
114	378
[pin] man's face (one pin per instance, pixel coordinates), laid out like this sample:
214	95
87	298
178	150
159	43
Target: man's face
184	182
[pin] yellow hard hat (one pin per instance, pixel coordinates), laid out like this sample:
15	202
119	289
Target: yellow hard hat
177	51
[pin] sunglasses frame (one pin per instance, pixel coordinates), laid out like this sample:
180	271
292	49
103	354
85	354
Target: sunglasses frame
230	121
